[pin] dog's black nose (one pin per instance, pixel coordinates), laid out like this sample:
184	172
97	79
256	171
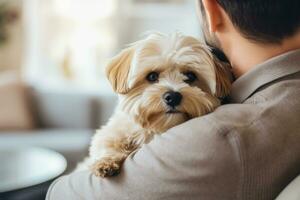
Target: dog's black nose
172	98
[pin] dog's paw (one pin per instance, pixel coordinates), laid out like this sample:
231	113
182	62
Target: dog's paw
106	168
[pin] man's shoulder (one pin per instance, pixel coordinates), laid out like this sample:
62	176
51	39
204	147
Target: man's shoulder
225	119
270	105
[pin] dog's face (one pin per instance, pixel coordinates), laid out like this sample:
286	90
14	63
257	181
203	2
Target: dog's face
165	80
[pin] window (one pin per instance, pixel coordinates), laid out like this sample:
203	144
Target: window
68	42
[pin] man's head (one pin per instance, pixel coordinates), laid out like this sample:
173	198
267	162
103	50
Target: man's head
260	22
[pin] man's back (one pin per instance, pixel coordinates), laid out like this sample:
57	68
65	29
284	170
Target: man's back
248	149
266	130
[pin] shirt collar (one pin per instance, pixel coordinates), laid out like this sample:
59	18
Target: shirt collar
272	69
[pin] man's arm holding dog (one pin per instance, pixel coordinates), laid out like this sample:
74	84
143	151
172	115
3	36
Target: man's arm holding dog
192	160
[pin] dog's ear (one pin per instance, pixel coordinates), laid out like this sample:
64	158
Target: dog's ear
117	70
223	78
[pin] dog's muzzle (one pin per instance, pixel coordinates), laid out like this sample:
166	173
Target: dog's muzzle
172	98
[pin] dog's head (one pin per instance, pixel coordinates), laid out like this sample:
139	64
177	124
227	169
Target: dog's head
165	80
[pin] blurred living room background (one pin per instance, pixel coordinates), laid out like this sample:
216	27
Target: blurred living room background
53	92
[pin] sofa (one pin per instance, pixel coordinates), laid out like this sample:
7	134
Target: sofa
66	120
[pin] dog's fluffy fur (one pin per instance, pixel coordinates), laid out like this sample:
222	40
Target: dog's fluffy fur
141	111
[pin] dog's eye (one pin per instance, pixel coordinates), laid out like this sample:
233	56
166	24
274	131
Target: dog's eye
152	77
191	77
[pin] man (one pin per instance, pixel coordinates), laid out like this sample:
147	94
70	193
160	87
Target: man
246	150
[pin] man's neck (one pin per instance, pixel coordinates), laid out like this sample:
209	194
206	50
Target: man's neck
246	54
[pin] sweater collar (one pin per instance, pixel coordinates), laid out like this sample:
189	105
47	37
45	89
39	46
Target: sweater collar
264	73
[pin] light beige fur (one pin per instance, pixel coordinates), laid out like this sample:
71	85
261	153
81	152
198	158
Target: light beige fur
141	112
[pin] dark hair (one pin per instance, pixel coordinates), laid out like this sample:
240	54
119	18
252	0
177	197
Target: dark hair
267	21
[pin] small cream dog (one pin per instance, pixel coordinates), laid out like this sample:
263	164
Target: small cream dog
162	81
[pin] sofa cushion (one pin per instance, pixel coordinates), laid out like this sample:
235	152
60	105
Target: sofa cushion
63	109
71	108
16	112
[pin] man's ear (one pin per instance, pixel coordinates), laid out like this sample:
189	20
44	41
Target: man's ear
213	14
223	78
117	70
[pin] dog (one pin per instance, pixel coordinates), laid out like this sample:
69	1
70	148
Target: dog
162	81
